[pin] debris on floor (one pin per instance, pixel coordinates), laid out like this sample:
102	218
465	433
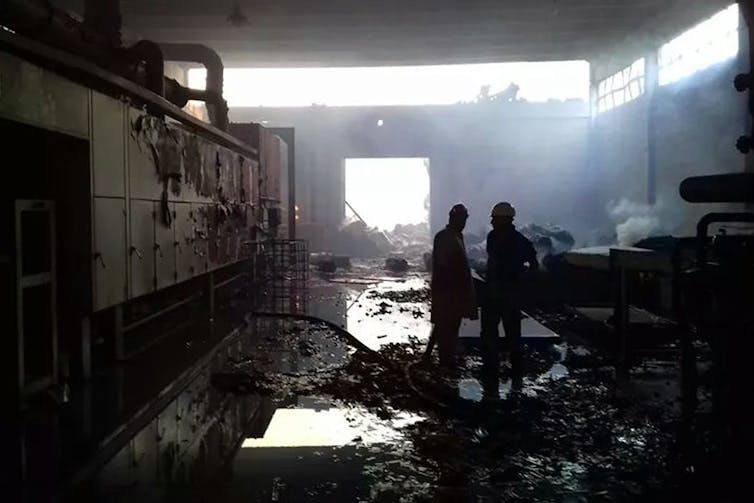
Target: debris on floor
408	295
411	240
396	264
560	438
376	424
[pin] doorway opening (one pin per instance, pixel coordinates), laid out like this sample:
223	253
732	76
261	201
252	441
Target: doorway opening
388	192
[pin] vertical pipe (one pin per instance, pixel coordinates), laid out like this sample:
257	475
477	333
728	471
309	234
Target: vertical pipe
746	66
652	75
292	184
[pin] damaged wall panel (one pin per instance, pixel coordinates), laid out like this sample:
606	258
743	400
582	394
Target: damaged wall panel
172	165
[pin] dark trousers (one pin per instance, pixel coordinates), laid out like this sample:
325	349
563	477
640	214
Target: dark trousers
509	311
445	333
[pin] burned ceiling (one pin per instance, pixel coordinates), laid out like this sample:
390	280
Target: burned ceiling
372	32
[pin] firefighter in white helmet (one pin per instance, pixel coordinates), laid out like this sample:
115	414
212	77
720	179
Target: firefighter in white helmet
511	260
453	296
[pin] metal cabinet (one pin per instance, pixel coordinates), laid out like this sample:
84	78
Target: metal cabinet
107	144
234	243
201	237
144	178
109	252
185	236
141	247
214	237
164	248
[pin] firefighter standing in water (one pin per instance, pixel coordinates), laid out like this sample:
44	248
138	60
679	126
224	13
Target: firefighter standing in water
452	288
511	261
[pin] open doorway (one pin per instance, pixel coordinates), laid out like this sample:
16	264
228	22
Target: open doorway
387	192
387	201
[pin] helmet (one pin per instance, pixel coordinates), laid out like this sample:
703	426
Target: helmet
503	210
459	209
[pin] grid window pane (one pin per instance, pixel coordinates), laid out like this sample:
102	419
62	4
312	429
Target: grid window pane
621	87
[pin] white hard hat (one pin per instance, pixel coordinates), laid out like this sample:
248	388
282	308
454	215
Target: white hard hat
503	210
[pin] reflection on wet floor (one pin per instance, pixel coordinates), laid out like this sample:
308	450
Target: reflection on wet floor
285	410
358	307
320	422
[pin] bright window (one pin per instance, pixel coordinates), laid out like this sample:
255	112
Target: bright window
707	43
621	87
402	85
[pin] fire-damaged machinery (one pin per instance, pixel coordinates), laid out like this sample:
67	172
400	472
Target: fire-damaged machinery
709	298
722	287
117	206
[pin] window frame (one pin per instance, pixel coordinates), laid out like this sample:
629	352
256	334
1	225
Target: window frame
624	86
677	61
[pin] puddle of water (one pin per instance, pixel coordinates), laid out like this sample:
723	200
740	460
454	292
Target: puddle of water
317	421
376	321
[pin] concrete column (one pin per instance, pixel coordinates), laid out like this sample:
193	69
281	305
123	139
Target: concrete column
651	82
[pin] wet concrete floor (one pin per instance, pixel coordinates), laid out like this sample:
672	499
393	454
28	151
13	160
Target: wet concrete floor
289	411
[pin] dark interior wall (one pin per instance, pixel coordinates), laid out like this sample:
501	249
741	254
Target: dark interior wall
642	150
618	163
45	165
697	123
532	154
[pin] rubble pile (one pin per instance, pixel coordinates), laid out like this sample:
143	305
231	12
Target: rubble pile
411	240
548	240
407	242
358	240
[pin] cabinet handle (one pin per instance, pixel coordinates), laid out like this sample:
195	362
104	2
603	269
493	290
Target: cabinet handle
177	245
158	249
98	256
136	251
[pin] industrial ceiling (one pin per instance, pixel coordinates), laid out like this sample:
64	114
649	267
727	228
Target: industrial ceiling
387	32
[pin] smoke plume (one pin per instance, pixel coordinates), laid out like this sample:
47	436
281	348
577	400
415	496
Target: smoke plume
637	221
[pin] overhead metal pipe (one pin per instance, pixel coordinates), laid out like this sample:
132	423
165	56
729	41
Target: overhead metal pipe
154	64
198	53
95	40
206	56
728	188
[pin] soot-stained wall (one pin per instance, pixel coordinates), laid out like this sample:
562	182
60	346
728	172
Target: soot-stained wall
532	154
